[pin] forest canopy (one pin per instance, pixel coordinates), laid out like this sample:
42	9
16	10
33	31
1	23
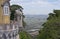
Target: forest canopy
51	28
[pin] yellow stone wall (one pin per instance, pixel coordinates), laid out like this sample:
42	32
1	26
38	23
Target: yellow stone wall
1	14
4	19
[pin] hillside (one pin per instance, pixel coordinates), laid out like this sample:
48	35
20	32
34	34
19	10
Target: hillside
34	22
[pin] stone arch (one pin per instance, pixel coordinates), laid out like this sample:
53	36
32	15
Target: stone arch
4	36
15	33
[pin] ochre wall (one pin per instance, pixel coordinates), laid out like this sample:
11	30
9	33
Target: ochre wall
4	19
1	12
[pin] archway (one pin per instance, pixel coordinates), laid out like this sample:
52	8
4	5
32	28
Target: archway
4	36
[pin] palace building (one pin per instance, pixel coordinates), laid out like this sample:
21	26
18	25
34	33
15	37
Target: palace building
9	29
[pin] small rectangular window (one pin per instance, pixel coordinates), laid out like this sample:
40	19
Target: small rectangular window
6	10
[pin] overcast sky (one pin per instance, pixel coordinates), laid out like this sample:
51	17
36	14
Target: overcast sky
37	6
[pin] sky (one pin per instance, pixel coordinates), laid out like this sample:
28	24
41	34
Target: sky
36	7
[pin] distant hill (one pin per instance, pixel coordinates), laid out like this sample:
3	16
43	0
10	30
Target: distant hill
34	21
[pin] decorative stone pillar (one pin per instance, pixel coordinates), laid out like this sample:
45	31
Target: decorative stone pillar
7	36
12	36
13	26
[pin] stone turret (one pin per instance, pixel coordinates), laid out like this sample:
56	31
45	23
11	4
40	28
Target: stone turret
19	18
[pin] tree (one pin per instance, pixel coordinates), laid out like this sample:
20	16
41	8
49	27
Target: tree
24	35
51	29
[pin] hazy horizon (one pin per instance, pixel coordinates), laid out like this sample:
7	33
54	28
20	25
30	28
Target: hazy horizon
36	14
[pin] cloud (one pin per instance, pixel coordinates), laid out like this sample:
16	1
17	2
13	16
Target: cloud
38	6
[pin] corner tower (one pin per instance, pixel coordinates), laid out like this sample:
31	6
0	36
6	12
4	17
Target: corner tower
4	12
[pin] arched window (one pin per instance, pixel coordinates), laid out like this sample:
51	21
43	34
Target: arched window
6	10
